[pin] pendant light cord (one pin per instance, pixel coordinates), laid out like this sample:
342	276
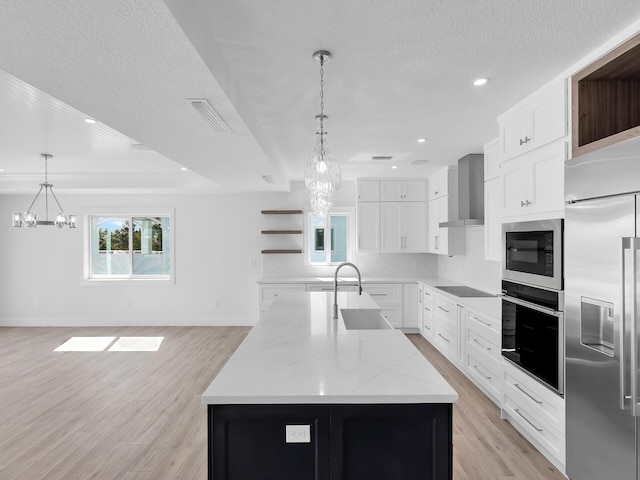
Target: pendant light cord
322	105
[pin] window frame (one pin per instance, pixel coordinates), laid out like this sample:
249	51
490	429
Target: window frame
310	235
131	278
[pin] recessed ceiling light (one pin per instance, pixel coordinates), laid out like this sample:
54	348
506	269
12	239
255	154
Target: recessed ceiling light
184	169
422	140
394	166
1	169
90	120
480	81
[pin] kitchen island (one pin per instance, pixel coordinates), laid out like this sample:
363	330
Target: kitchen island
305	397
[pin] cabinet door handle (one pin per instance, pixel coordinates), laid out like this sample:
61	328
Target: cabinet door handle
482	321
527	420
436	192
427	309
437	242
539	402
521	142
443	309
444	338
522	203
527	139
527	203
481	372
481	344
378	294
427	327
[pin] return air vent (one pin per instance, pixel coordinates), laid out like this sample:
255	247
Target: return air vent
381	158
205	109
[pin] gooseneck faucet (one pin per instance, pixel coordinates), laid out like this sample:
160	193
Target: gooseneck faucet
335	286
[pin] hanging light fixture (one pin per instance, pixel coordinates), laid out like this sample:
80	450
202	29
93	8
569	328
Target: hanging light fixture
322	176
30	219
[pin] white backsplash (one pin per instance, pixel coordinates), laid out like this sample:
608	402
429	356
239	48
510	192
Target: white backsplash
370	265
472	269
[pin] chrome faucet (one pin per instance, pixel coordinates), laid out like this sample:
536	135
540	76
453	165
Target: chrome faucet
335	286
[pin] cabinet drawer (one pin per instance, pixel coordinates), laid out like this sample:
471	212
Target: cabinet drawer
485	323
427	324
318	287
384	294
547	407
445	309
393	316
427	296
269	293
486	372
530	421
487	343
446	339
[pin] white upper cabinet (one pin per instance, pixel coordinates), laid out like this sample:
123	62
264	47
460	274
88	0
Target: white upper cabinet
492	159
541	120
534	183
402	190
492	220
368	219
440	183
368	190
402	226
397	224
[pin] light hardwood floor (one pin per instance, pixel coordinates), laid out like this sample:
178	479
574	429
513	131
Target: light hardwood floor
138	416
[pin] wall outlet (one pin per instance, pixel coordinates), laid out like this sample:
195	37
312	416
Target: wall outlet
298	434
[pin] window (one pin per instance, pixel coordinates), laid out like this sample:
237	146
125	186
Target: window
129	247
328	239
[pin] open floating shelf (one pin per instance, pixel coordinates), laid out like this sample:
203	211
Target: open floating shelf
281	212
281	251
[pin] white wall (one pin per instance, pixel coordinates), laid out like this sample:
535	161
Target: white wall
472	269
217	257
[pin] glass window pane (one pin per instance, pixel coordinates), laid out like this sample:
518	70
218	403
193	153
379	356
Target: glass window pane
109	246
339	237
151	246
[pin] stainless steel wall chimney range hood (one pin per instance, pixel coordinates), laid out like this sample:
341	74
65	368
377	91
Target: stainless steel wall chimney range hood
470	192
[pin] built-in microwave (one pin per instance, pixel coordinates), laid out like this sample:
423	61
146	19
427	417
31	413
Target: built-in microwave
532	253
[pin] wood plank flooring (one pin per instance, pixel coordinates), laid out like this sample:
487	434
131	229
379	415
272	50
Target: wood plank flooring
138	416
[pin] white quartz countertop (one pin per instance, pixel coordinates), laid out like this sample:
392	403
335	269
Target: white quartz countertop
299	354
491	306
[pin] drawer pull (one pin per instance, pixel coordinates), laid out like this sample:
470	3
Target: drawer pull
444	338
481	372
482	321
427	309
378	294
443	309
427	327
539	402
481	344
527	420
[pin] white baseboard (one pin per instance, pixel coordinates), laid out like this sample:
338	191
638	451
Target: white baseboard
127	322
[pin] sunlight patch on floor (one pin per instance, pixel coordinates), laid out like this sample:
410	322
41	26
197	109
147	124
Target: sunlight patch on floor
85	344
99	344
137	344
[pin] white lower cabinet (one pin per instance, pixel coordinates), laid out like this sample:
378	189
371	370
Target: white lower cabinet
411	306
446	328
270	293
537	412
483	362
426	304
389	297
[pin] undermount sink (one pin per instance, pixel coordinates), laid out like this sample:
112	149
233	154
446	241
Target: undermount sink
364	320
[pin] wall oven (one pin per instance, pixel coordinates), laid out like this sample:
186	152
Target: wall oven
533	332
532	253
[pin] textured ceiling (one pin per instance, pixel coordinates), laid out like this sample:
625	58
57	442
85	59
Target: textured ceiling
400	71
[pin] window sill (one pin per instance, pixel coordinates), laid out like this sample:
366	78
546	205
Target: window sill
141	282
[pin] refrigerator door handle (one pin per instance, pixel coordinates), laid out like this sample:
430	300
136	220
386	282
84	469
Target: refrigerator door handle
629	331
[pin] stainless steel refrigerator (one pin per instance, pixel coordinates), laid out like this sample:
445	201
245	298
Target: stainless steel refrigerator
602	276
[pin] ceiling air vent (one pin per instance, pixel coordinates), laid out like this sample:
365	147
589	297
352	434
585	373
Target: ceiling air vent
205	109
381	158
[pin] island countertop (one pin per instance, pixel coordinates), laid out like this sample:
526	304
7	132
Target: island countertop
299	354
